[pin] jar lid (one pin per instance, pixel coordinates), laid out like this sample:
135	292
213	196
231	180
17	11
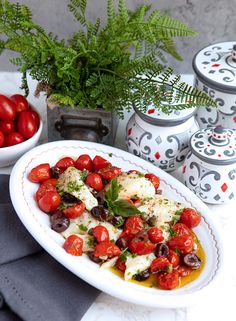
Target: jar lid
215	145
157	117
216	65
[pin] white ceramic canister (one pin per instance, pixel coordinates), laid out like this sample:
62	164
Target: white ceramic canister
210	166
215	69
161	138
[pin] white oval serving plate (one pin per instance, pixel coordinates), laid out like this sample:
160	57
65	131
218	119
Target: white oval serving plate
22	193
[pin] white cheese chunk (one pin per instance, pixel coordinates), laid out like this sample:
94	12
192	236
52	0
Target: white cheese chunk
135	265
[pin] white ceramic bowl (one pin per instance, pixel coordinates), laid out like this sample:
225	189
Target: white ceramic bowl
9	155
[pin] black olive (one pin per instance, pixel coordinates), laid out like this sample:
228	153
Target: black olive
158	191
117	221
68	198
54	172
162	249
100	196
122	243
192	261
59	222
100	213
142	276
94	258
141	236
152	221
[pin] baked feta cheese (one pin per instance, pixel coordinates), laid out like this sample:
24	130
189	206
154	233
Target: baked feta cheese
137	264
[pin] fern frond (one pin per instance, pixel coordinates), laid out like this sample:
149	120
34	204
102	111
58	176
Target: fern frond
78	8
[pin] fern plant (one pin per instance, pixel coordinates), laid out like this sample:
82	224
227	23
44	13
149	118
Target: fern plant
113	67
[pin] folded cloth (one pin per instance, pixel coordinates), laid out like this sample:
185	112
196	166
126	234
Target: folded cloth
33	286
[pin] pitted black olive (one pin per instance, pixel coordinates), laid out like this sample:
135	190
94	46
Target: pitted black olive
122	243
94	258
192	261
117	221
100	196
100	213
54	172
59	222
68	198
162	249
152	221
141	236
142	276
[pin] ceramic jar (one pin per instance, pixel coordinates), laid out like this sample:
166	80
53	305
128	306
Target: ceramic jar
161	138
210	166
215	69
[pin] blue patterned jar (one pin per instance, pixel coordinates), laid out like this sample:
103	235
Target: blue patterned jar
210	166
215	70
161	138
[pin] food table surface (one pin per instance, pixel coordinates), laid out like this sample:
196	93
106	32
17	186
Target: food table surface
218	307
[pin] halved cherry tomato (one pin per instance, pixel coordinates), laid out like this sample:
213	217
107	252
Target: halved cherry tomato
7	108
183	271
94	180
183	243
181	229
190	217
84	162
13	138
155	235
168	281
100	162
7	127
120	264
106	249
101	233
140	244
134	224
20	102
74	245
64	163
160	264
173	257
74	211
49	202
48	185
26	124
1	139
109	173
39	173
153	179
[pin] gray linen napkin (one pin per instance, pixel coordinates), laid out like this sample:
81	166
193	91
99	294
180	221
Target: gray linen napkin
33	286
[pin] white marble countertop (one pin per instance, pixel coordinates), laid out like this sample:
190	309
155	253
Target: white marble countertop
218	307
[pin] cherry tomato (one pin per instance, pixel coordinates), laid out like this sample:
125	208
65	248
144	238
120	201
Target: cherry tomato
74	245
94	180
183	243
160	264
7	108
49	202
173	258
100	162
1	139
109	173
190	217
13	139
20	102
134	224
183	271
153	179
181	229
155	235
168	281
64	163
35	115
40	173
84	162
120	264
26	124
46	186
140	244
74	211
101	233
106	249
7	127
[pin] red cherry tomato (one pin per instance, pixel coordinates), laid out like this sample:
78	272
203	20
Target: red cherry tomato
134	224
40	173
120	264
20	102
74	245
190	217
183	243
168	281
183	271
7	127
109	173
101	233
35	115
140	244
160	264
153	179
173	258
49	202
84	162
94	180
1	139
181	229
48	185
74	211
106	249
13	139
64	163
100	162
26	124
7	108
155	235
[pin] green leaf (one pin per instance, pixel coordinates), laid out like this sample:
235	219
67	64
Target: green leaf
113	192
124	208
